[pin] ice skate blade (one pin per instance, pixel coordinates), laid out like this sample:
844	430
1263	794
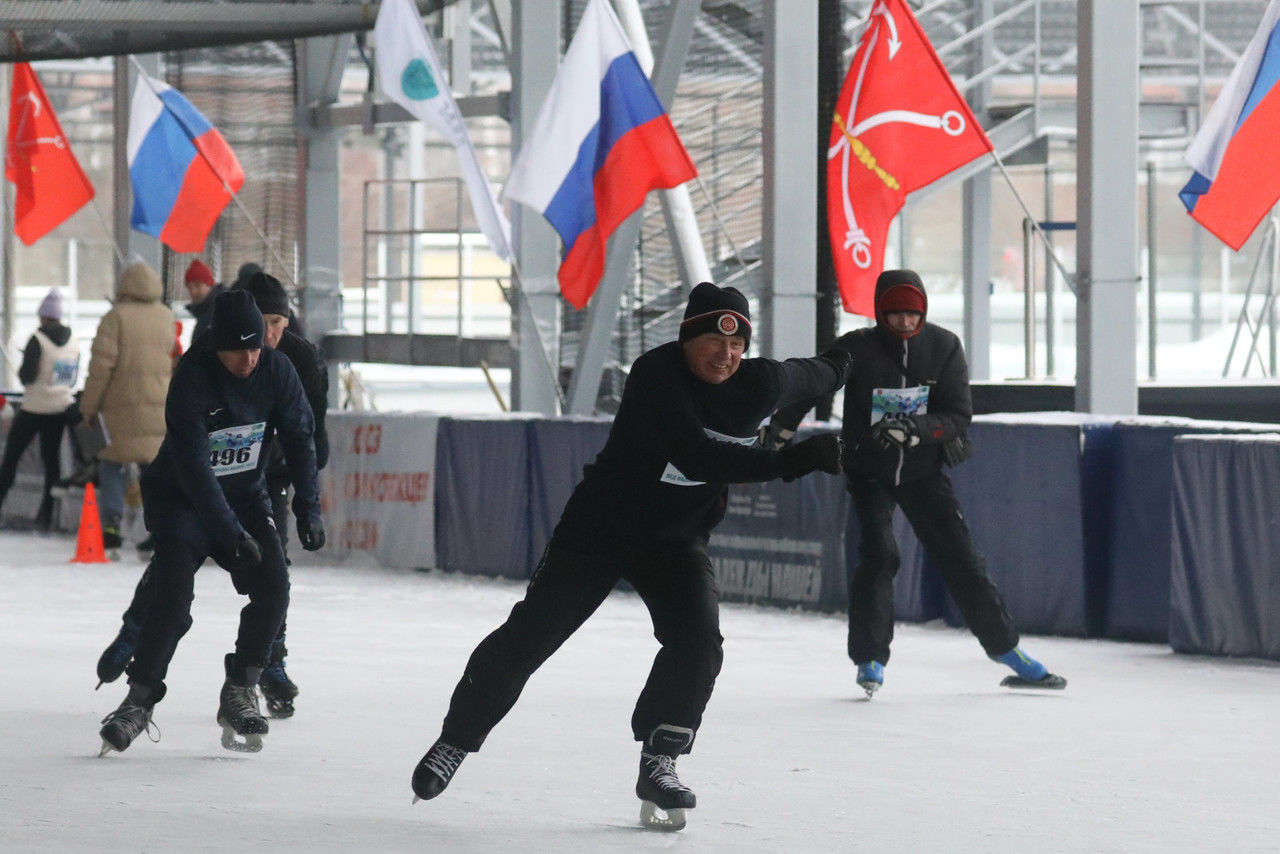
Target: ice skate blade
106	748
248	743
1051	681
654	818
870	687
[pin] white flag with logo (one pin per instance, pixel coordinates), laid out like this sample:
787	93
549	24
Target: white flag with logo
410	74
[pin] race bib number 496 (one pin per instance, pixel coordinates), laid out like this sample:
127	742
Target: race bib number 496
236	449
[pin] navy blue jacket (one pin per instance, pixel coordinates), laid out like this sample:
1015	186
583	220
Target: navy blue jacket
217	426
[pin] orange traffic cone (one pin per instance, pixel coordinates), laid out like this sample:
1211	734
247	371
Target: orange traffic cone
89	547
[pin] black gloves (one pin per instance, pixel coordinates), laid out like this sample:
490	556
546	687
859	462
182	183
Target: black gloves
311	533
895	430
775	437
819	453
244	554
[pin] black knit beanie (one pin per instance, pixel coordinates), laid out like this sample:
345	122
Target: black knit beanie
268	293
713	309
237	323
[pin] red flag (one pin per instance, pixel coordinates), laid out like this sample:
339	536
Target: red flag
50	184
900	124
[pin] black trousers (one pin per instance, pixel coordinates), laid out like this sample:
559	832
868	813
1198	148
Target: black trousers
677	585
182	545
935	515
26	426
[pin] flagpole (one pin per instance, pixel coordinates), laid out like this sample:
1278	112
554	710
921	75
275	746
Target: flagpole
115	246
515	295
1068	277
235	197
715	214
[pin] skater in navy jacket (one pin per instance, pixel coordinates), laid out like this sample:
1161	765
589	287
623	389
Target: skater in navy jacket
204	496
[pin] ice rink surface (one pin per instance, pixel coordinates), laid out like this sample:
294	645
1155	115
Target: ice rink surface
1145	751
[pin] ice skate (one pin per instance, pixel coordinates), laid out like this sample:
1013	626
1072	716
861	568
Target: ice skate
870	677
112	541
436	769
131	717
1028	673
663	798
116	657
242	723
278	690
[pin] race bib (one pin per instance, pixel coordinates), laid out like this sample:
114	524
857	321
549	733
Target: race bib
899	401
675	477
65	371
236	449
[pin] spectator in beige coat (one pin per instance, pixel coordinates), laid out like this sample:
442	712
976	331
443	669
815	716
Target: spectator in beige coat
129	370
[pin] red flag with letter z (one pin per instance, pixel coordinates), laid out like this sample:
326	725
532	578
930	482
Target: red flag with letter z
50	184
900	124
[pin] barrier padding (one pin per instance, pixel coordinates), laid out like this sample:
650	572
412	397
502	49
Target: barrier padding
1036	499
783	543
1142	497
1224	597
558	450
482	496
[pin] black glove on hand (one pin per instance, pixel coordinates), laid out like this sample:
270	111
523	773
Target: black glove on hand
243	554
895	430
311	533
775	437
839	357
819	453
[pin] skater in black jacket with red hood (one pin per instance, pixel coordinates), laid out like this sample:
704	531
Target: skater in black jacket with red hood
686	427
907	408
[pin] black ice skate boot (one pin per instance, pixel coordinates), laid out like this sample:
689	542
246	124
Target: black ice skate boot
132	717
238	708
118	653
436	769
658	788
277	688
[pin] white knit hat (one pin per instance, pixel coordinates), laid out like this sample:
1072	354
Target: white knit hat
51	305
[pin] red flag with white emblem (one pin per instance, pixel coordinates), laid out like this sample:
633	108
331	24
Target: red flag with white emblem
900	124
50	184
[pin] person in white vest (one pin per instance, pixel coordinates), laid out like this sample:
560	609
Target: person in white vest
50	366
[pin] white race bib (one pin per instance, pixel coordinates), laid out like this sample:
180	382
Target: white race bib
236	449
675	477
899	401
65	371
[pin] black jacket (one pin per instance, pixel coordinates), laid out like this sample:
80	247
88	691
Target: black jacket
215	424
203	312
677	441
934	358
307	361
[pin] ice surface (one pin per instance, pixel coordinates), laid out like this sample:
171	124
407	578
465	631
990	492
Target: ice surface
1145	751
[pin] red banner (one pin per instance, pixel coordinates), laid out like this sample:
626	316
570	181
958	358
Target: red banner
900	124
50	184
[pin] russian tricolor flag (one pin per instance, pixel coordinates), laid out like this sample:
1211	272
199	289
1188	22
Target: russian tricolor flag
601	142
1237	178
182	170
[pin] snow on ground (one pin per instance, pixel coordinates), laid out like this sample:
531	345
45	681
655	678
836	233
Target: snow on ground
1145	751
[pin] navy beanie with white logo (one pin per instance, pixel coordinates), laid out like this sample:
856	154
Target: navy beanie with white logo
713	309
237	323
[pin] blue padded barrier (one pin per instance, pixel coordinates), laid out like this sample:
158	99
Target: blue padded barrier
1224	594
482	496
1142	495
783	543
558	450
1036	498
